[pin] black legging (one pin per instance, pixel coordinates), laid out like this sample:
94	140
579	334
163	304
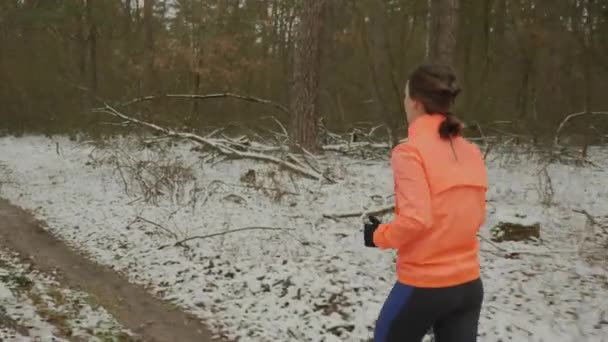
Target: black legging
410	312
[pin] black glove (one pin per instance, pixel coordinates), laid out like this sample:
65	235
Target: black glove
368	231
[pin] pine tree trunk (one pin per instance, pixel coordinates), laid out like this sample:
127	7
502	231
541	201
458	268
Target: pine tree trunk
82	54
442	30
149	72
388	94
304	99
92	45
128	10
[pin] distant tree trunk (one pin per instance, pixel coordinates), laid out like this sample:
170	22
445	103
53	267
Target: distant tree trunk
128	10
587	52
304	99
501	18
82	53
197	84
92	45
387	92
487	59
137	14
442	33
149	72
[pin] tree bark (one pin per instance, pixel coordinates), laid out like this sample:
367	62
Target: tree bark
149	72
128	10
82	53
442	31
304	99
92	38
588	52
387	92
197	84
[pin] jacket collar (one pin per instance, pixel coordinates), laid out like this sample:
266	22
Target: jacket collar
428	123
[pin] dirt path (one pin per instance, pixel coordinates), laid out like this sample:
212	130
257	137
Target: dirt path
151	318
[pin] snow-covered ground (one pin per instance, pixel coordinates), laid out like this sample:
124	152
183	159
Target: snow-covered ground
34	307
311	280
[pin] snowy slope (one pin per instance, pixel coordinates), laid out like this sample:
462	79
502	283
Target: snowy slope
312	280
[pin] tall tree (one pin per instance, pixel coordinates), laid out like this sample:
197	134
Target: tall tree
304	101
127	24
92	38
387	92
442	30
149	72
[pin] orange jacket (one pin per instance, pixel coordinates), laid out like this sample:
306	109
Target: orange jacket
440	189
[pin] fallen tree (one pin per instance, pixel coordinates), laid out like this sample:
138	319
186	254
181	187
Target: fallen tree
219	145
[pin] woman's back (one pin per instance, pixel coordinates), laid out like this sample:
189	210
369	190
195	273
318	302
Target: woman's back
444	252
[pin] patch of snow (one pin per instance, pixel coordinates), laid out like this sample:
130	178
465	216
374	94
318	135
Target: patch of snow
33	306
313	280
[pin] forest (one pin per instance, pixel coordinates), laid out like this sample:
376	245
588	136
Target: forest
523	65
211	170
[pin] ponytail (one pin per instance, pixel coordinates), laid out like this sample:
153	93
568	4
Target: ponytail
450	127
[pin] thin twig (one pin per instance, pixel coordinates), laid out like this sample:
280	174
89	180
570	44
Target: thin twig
573	116
484	239
257	187
247	98
377	211
172	234
122	176
285	133
589	216
135	200
198	237
505	253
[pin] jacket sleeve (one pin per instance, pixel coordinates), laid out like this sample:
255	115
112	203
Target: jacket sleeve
413	200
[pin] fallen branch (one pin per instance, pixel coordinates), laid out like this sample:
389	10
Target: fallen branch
377	211
590	217
283	129
345	147
207	97
256	187
573	116
502	252
222	148
139	218
199	237
494	245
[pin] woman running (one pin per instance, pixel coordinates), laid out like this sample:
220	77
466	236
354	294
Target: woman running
440	187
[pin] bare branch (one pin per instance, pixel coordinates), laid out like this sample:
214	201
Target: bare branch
371	131
252	186
278	123
222	148
494	244
199	237
207	97
170	233
377	211
502	252
573	116
590	217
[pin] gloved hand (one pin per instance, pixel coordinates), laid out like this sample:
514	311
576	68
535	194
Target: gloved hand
369	229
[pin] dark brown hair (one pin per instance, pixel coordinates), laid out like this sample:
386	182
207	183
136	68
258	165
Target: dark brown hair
434	85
